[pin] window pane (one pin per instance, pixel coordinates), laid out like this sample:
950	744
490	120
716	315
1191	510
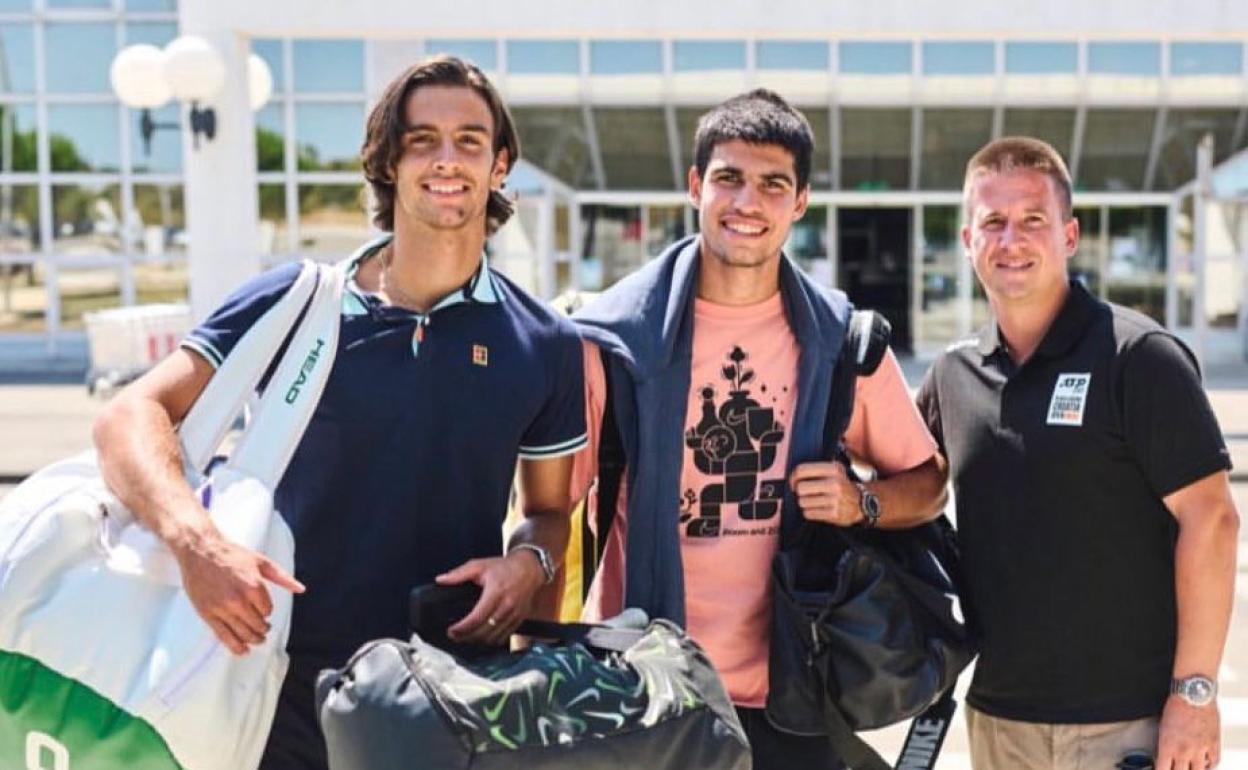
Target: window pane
151	5
329	136
634	148
271	51
323	66
83	137
686	127
1041	58
1137	259
615	248
1124	58
1206	58
79	3
17	6
161	230
85	290
482	53
553	139
1183	131
543	57
704	55
875	58
23	297
666	225
792	55
808	242
625	57
78	57
166	280
17	138
273	231
875	149
19	219
270	138
958	59
158	34
17	58
86	219
1115	149
332	222
166	147
949	138
1085	266
942	260
1053	126
821	158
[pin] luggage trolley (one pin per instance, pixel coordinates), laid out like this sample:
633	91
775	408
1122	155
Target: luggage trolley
125	342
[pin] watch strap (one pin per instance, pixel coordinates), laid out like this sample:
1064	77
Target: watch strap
543	558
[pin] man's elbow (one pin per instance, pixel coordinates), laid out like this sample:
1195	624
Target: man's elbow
936	471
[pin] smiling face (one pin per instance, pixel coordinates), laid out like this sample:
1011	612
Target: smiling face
747	200
447	166
1017	239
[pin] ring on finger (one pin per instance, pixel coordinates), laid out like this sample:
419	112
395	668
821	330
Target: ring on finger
491	622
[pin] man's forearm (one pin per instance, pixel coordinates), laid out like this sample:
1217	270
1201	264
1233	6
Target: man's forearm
912	497
1204	574
548	529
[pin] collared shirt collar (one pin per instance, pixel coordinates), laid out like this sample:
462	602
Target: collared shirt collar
1063	333
480	288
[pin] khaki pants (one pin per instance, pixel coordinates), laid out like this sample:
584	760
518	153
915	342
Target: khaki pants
1003	744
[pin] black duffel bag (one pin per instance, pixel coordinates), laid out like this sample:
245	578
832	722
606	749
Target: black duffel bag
602	698
867	629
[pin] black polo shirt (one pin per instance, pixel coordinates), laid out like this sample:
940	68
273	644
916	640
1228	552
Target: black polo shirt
1059	468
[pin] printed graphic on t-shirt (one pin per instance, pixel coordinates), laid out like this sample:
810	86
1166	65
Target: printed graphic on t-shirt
734	443
1070	395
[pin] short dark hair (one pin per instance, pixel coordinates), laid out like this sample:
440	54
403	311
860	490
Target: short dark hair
387	123
1010	153
761	116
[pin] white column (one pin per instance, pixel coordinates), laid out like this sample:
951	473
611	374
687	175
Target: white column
221	204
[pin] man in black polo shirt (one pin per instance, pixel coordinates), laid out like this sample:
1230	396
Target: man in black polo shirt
1093	502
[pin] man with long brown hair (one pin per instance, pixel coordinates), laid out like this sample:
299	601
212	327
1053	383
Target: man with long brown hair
445	374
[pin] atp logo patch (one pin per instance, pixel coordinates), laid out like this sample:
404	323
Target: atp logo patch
480	355
1070	396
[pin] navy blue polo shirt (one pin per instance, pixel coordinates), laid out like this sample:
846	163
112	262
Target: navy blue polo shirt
406	467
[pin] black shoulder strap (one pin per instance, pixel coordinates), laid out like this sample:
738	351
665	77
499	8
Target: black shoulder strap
611	464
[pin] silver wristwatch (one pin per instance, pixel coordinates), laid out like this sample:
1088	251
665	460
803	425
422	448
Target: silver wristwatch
543	558
869	504
1197	690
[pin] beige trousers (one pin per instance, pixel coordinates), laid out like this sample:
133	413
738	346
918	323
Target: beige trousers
1004	744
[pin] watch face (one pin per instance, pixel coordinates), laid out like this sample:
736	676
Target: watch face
1200	690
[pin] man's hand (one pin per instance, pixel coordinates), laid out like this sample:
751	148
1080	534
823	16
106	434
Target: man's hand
826	493
508	585
1189	736
226	584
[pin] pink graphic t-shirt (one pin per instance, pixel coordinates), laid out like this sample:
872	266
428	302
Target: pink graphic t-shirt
743	393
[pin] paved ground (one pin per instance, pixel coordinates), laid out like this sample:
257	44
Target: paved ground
42	422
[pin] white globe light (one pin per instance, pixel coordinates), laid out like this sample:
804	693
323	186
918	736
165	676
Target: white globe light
193	68
138	77
259	81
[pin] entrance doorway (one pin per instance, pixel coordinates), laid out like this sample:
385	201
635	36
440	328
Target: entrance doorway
873	252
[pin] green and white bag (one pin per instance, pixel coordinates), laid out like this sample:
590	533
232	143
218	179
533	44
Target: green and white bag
104	663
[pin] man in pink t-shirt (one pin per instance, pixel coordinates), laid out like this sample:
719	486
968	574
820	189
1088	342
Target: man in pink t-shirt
741	408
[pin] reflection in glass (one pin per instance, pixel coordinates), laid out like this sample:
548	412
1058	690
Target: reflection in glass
1055	126
17	59
950	136
686	127
328	66
553	139
821	159
1206	58
482	53
329	136
1121	58
22	294
958	58
941	266
160	220
543	57
166	146
271	51
17	138
1115	149
19	218
83	137
1136	275
875	58
634	148
1086	265
1027	58
158	34
151	5
86	290
86	219
875	149
78	57
165	280
16	6
273	232
792	55
665	225
625	57
613	244
808	244
707	55
79	3
1183	132
270	138
332	222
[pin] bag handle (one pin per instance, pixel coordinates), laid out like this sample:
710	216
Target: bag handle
206	423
